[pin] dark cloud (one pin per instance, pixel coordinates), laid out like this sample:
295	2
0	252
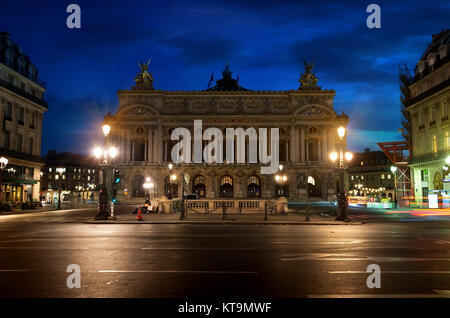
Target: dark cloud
265	41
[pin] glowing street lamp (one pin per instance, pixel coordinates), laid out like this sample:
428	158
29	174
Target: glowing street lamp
106	129
348	156
333	156
341	132
281	179
341	157
148	184
3	162
394	170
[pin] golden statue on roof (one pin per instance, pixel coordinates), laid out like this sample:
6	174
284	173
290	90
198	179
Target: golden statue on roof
308	79
144	78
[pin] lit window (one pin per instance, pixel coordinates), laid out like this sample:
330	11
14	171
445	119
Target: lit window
353	177
49	169
382	176
434	143
362	163
362	177
447	140
56	177
389	176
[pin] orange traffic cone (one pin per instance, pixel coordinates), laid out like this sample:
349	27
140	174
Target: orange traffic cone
139	216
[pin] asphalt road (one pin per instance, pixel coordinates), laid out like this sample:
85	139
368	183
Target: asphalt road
153	260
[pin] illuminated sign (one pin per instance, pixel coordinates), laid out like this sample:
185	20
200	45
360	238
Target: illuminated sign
433	201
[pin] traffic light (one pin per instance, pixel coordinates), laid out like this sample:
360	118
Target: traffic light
116	179
116	176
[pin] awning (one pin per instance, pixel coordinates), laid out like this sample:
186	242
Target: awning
18	181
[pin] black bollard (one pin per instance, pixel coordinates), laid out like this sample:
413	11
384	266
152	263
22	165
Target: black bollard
307	212
265	211
224	211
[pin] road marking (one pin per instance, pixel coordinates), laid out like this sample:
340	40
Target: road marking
378	296
176	272
391	272
41	248
442	292
197	248
350	257
316	242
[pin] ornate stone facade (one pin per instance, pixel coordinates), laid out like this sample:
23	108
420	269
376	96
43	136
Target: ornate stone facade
427	99
22	108
307	123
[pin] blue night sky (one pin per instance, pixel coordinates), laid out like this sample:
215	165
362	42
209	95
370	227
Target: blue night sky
264	41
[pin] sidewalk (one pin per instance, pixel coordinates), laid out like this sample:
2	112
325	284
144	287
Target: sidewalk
48	208
216	218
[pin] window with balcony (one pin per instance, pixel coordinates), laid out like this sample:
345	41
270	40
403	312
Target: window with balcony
7	139
20	115
433	116
30	145
139	151
33	120
8	112
19	142
424	175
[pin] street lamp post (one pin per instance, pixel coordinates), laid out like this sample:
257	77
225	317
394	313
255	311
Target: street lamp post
394	170
281	179
343	156
105	157
184	177
148	184
60	171
3	164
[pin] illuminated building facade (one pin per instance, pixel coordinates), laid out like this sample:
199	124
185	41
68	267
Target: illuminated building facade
370	175
427	100
75	175
307	122
22	107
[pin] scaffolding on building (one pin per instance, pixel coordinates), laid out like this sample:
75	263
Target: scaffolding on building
398	152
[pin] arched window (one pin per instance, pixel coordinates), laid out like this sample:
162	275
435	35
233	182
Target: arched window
438	185
314	187
170	187
138	186
253	187
226	187
199	186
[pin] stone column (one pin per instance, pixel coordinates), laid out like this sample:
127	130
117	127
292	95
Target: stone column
332	134
127	147
296	142
325	151
150	145
160	144
123	145
293	149
302	144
